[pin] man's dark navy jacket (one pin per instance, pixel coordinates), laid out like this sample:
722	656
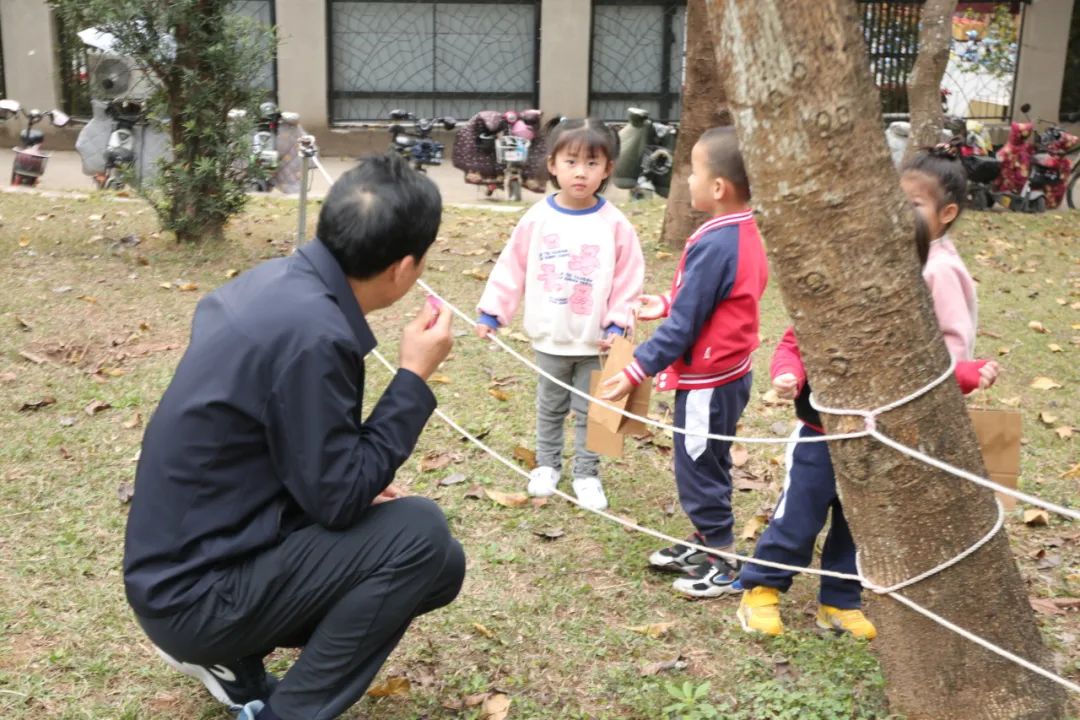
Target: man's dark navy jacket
260	431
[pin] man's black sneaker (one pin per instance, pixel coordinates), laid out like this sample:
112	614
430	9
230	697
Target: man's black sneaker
679	558
712	578
235	684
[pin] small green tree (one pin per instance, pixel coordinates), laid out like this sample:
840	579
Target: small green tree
206	60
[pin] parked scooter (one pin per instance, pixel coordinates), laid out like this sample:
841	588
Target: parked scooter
414	142
1035	166
646	155
30	160
265	157
120	148
512	148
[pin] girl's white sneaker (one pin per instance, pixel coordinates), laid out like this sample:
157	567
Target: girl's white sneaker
590	493
542	481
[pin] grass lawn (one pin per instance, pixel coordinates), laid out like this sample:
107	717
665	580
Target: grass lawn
95	309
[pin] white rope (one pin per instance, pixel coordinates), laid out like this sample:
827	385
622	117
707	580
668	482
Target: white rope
869	417
1068	685
626	413
890	592
874	587
958	472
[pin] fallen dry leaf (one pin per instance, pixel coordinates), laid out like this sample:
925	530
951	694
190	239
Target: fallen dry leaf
435	460
166	285
134	422
37	404
452	479
507	499
518	337
1047	418
396	686
483	631
87	298
653	630
655	668
8	377
231	273
525	456
1036	517
739	455
538	502
23	324
24	240
440	379
495	707
1003	350
1037	327
1074	471
189	287
1011	402
498	394
771	398
662	255
96	406
112	372
551	533
476	492
476	274
753	526
1046	606
1064	432
1054	347
33	357
1044	383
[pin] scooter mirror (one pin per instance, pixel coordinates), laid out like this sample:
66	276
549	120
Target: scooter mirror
8	108
290	118
449	123
1025	108
59	118
399	114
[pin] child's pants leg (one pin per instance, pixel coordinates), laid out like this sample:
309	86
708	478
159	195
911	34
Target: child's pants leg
552	404
703	466
838	555
586	462
801	512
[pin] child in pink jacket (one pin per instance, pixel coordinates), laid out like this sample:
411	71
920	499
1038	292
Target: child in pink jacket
577	263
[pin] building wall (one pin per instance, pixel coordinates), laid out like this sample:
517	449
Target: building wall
29	60
565	41
1043	45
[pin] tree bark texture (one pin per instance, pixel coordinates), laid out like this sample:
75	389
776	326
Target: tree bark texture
703	107
924	87
839	238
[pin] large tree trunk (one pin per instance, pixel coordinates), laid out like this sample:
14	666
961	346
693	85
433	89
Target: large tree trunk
703	107
839	236
924	88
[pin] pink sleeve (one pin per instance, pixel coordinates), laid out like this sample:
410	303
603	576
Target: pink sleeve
950	306
506	284
629	277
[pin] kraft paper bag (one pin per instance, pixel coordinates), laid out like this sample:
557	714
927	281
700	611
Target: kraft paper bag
598	438
637	402
999	433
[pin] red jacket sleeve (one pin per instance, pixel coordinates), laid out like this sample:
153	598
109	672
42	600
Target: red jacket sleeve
787	359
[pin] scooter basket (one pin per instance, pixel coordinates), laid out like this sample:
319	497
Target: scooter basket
510	149
29	163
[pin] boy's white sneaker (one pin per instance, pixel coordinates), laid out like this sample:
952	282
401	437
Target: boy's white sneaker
590	493
543	481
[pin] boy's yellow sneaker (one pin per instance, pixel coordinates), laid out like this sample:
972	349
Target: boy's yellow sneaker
759	611
852	621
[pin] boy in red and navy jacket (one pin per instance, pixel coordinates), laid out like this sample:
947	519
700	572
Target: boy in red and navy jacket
702	351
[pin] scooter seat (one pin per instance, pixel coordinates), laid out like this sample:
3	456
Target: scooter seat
982	168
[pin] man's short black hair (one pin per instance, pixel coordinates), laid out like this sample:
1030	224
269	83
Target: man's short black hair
377	213
725	160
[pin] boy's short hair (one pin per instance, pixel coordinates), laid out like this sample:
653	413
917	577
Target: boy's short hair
377	213
725	160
